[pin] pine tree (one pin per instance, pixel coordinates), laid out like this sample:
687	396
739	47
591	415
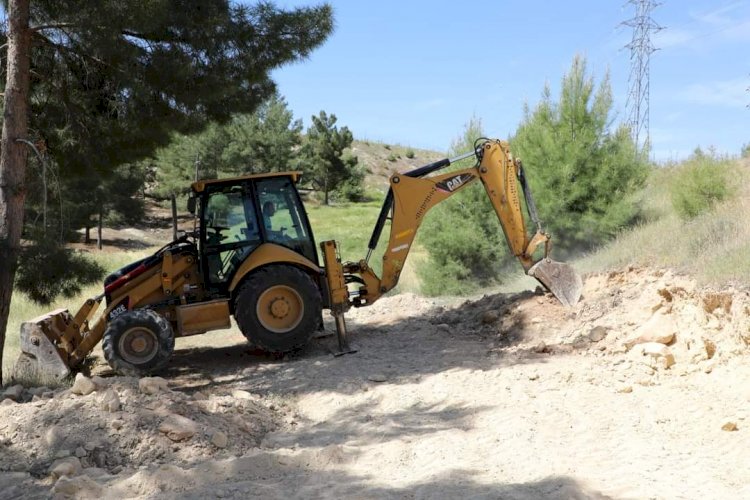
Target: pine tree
324	160
583	174
264	141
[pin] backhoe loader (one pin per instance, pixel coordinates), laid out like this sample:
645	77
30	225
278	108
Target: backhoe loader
252	255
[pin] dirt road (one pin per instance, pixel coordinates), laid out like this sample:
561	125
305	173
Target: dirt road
500	397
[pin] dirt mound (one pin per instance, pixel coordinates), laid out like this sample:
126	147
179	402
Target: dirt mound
621	312
121	423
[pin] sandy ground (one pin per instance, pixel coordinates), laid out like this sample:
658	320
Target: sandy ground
498	397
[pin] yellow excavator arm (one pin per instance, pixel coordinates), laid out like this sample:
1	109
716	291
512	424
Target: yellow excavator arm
412	195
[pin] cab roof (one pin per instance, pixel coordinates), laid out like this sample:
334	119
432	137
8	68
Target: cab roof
200	186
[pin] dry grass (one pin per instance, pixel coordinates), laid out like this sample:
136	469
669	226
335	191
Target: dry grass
381	160
713	247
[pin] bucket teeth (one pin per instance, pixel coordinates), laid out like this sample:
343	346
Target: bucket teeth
40	359
560	279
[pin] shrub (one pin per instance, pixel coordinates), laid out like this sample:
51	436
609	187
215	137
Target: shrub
410	153
462	236
350	190
699	184
392	157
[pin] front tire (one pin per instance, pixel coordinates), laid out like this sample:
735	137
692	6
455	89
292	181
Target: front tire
278	308
138	342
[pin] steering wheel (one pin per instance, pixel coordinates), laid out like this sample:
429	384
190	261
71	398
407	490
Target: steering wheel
215	237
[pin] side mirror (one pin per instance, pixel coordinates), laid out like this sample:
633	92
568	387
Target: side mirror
191	205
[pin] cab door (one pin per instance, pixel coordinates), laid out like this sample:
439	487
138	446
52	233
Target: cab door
284	220
230	231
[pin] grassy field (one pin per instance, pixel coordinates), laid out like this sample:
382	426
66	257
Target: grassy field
351	226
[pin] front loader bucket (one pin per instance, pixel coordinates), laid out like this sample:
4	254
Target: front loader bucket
560	279
40	360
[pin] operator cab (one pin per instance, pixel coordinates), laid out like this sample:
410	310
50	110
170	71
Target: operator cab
240	214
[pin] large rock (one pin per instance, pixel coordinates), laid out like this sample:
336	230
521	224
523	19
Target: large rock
152	385
178	428
240	394
660	352
77	487
219	439
13	392
597	334
110	401
489	317
54	436
660	328
82	385
68	466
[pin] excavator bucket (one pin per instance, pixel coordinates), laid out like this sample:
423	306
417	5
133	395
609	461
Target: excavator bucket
560	279
40	359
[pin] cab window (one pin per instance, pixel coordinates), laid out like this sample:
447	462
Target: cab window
283	216
231	230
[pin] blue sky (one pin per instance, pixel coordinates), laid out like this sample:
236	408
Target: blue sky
415	72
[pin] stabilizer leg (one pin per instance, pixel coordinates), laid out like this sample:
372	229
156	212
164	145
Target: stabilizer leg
344	347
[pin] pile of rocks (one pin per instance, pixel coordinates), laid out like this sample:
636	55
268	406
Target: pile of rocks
101	428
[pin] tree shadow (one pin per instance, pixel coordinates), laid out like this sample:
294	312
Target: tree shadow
362	424
391	352
119	243
295	477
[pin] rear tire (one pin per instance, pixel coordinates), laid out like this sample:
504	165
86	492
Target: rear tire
278	308
138	342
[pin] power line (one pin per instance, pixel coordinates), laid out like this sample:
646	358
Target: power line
641	47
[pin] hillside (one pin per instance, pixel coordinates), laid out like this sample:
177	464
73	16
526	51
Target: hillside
380	160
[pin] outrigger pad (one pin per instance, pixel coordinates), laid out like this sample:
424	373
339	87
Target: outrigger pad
560	279
40	359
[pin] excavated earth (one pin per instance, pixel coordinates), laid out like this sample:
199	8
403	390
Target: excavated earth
640	391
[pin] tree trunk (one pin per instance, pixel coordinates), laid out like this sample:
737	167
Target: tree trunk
13	155
87	235
99	230
174	217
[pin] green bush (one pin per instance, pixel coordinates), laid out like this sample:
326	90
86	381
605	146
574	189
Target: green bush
410	153
745	151
350	190
465	244
464	240
701	182
392	157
